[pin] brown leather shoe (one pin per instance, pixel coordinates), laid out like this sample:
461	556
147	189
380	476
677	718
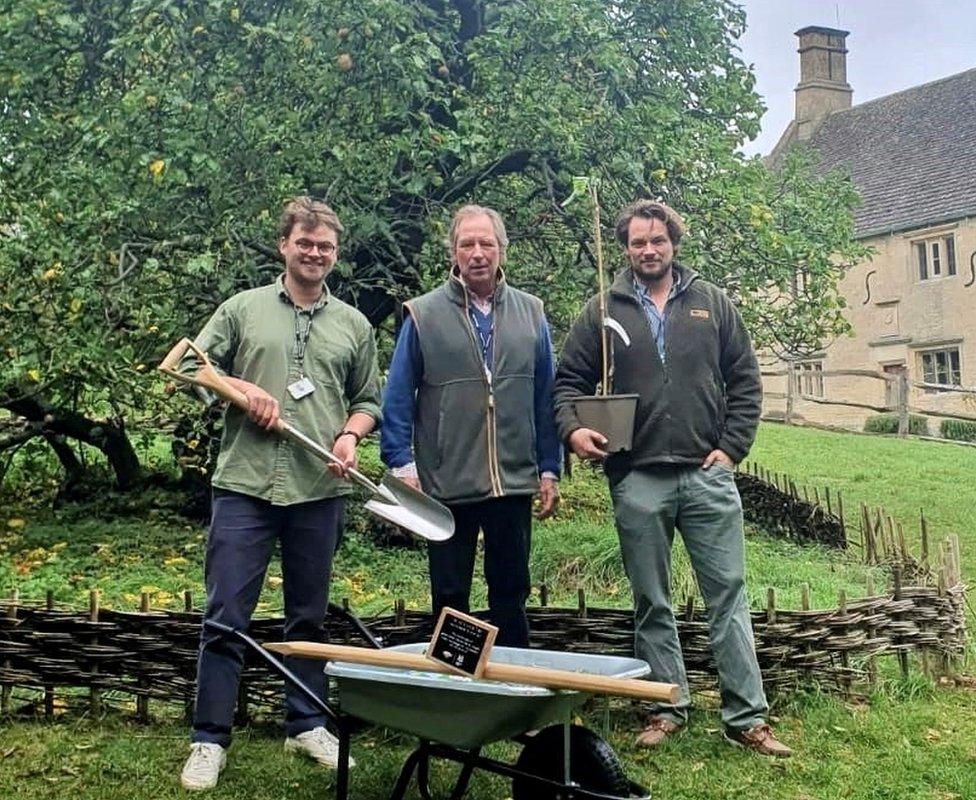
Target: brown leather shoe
656	731
759	739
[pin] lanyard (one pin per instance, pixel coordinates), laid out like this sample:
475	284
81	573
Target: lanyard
484	339
302	334
484	336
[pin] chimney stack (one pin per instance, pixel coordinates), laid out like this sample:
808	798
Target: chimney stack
823	86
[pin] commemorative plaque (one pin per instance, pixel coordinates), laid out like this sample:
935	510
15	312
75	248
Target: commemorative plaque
461	643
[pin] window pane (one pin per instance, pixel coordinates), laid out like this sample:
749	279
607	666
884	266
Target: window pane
936	260
950	254
955	377
923	269
928	368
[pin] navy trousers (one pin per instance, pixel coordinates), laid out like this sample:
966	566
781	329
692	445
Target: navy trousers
507	525
243	531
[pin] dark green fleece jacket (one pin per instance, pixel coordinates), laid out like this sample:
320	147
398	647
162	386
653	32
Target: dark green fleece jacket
706	395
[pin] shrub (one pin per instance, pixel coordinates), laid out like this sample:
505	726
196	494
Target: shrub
888	423
958	429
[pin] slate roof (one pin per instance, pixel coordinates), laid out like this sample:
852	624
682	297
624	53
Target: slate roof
912	155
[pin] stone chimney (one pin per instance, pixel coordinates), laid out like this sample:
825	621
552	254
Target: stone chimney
823	86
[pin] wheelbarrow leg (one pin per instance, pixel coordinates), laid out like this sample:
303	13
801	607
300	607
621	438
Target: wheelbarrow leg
423	770
342	773
465	776
406	773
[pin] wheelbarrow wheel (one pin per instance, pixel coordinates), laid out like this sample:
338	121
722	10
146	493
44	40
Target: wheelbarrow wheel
592	764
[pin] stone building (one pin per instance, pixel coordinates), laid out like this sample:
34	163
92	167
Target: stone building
912	305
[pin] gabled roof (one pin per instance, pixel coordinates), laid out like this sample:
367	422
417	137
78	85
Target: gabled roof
912	155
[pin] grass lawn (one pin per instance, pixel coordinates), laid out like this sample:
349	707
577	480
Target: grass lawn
909	740
920	746
905	476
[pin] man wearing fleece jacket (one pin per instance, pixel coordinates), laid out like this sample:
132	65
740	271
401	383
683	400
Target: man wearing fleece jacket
468	418
693	368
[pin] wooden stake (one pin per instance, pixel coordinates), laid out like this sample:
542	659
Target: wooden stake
924	531
770	605
840	516
142	699
7	689
872	666
94	693
902	655
845	658
49	689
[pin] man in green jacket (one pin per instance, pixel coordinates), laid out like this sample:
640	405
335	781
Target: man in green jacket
299	354
690	361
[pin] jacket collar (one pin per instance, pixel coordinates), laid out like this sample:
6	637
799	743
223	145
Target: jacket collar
623	282
459	292
283	293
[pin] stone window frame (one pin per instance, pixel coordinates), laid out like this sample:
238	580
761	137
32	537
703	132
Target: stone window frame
931	249
933	372
808	379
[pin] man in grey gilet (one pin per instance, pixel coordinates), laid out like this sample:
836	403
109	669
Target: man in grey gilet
468	418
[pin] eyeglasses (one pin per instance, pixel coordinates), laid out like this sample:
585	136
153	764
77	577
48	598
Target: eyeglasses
306	246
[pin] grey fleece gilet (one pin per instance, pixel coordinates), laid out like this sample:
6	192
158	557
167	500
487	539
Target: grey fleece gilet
474	440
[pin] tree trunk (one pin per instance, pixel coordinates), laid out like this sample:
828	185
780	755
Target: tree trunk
59	423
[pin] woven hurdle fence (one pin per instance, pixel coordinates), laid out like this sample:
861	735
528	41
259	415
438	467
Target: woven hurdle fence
57	657
127	658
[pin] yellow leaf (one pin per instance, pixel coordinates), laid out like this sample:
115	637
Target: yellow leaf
49	274
235	14
174	560
33	376
15	523
156	167
74	305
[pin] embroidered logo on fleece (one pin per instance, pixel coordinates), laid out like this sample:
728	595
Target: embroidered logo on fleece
700	313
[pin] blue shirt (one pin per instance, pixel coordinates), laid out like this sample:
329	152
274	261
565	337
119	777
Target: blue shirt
655	319
406	372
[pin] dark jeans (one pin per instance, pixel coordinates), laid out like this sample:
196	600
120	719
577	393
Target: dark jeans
242	536
507	525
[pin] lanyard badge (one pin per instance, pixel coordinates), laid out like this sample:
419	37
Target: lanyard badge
303	387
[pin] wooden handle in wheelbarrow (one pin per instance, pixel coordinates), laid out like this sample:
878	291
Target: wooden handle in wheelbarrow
494	671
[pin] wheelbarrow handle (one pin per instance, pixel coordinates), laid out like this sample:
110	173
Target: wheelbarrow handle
494	671
207	377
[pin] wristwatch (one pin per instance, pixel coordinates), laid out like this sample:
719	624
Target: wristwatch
347	432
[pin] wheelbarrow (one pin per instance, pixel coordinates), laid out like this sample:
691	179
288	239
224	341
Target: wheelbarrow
454	717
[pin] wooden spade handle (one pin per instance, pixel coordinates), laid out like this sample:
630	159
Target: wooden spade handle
505	673
205	376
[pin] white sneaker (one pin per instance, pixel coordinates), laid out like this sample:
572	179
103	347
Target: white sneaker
319	745
203	767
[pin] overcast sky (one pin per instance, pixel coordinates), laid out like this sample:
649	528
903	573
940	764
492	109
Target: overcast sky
893	45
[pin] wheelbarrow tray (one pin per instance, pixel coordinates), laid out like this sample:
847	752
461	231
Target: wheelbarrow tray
464	712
